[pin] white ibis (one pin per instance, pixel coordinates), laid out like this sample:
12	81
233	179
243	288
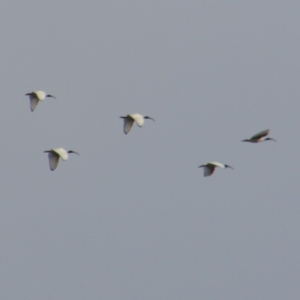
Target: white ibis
54	155
35	97
260	137
130	119
210	167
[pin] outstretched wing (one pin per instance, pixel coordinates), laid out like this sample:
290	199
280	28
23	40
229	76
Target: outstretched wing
260	134
207	170
128	122
53	160
34	101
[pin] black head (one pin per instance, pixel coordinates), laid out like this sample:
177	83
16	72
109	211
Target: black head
50	96
71	151
147	117
227	166
270	139
28	94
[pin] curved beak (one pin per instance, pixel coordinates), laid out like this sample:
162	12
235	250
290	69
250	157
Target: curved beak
150	118
71	151
50	96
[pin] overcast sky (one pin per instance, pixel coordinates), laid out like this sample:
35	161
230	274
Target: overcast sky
133	217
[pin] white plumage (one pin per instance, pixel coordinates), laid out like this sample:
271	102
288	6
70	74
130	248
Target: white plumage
130	119
56	153
35	97
209	168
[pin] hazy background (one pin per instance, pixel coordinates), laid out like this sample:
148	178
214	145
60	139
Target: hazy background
133	217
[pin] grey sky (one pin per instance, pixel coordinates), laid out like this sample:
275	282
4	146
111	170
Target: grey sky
133	217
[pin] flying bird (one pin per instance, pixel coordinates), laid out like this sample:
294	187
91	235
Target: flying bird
56	153
130	119
260	137
35	97
209	168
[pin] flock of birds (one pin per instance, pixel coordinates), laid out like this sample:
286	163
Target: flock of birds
56	153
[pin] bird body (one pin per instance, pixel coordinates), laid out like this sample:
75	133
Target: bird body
35	97
56	153
130	119
260	137
209	168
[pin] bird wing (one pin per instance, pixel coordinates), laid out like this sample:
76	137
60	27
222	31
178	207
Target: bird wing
260	134
61	152
34	101
128	122
208	170
139	119
216	164
40	95
53	160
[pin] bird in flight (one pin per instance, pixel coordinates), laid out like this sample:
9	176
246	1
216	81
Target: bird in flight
260	137
209	168
130	119
55	154
36	97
